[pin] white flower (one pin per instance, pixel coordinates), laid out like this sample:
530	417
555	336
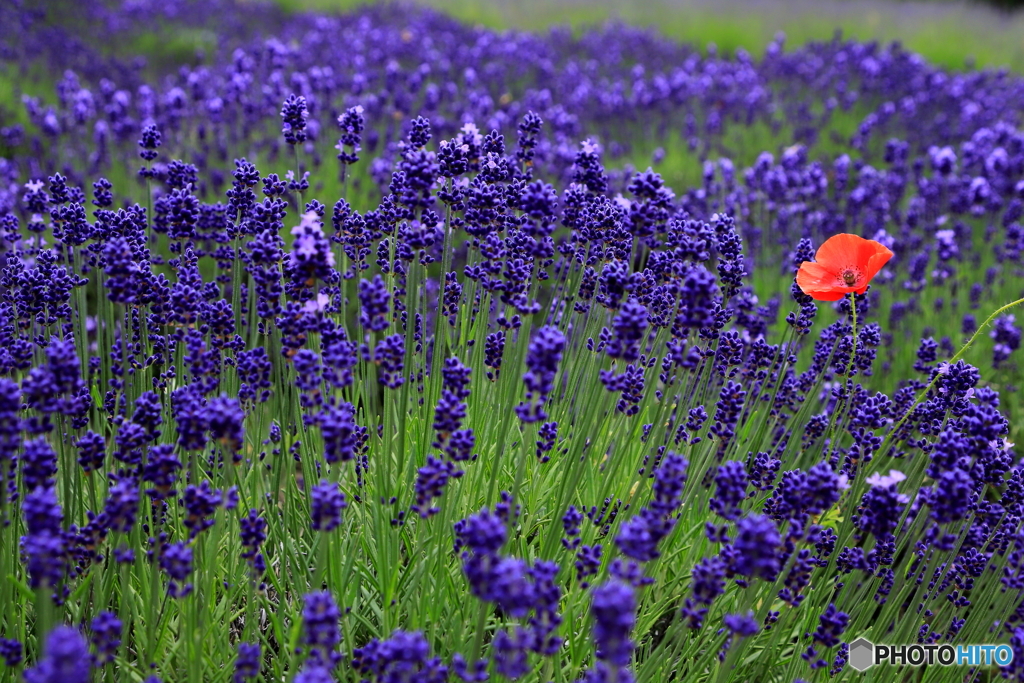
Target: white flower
310	222
1003	444
318	304
886	480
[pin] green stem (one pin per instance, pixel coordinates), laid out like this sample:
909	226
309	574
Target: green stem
955	358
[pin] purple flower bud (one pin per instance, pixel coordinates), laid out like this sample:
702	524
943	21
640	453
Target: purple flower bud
106	637
542	358
320	627
247	664
756	548
66	659
326	503
176	562
294	116
614	612
743	625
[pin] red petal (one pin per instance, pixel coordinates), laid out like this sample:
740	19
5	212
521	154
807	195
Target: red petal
878	258
813	276
828	293
840	251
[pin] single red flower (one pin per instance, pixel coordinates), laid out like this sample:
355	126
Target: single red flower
844	263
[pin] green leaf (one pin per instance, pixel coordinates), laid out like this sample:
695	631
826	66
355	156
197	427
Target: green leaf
21	587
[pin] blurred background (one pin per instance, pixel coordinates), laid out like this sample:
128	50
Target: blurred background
955	34
952	33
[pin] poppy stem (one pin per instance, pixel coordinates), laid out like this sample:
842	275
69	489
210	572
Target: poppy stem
847	383
853	334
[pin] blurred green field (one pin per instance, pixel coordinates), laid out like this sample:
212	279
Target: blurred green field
953	34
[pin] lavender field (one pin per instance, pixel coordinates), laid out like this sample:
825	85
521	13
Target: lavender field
384	346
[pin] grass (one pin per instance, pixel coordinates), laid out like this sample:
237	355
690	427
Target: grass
951	34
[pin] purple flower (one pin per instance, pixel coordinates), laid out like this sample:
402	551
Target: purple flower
404	656
253	532
546	619
451	297
373	297
38	464
41	511
542	358
1006	336
314	673
43	548
639	537
390	359
431	480
494	348
831	625
106	637
11	651
882	505
44	556
122	504
147	413
629	325
727	411
509	582
247	664
731	483
200	504
588	562
547	434
614	612
320	627
448	416
510	652
351	123
326	503
294	116
708	579
755	552
224	417
187	405
161	470
149	142
66	659
698	295
311	257
743	625
571	521
53	386
951	501
176	562
801	494
343	438
475	674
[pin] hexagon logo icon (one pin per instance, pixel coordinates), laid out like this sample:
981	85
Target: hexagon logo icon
862	654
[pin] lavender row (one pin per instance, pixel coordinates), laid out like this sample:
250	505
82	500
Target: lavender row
438	404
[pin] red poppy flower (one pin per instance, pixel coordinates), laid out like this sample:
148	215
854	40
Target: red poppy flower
844	263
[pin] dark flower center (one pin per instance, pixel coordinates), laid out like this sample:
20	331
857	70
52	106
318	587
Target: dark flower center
849	276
